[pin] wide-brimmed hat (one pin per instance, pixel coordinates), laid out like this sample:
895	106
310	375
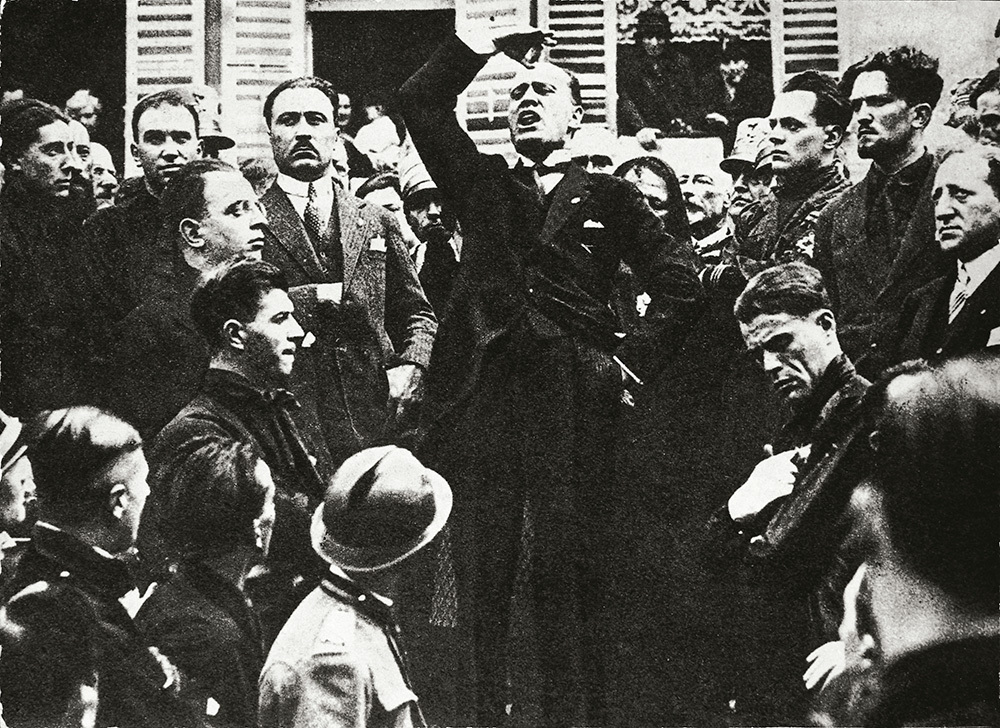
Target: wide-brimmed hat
381	507
751	138
13	442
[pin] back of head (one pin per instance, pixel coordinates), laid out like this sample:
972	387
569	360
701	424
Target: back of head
233	291
938	455
833	107
301	82
791	288
167	97
381	181
912	75
990	83
21	121
211	498
73	450
184	195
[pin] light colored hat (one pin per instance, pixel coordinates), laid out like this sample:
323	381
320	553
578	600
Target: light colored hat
413	175
751	137
381	507
12	441
205	101
593	141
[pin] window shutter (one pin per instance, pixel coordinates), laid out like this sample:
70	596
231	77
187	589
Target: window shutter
587	46
164	47
806	38
263	43
482	109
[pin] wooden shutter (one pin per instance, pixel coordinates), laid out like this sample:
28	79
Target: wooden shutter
263	43
164	47
482	109
804	37
586	31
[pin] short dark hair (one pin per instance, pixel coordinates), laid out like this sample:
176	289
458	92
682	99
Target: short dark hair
302	82
381	181
988	153
72	450
989	82
167	97
833	107
233	291
653	23
912	75
793	288
211	497
936	461
21	121
184	195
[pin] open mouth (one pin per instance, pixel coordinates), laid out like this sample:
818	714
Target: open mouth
528	118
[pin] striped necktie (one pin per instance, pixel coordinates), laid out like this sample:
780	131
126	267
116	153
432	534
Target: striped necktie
960	294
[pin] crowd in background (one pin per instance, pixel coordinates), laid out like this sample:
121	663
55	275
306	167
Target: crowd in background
719	439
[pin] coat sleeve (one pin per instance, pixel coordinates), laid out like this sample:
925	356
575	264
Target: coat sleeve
427	101
409	319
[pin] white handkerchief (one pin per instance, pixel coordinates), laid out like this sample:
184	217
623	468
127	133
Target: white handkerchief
994	339
593	224
331	292
378	244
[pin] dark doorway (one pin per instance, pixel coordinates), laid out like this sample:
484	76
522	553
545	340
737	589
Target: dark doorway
364	53
51	48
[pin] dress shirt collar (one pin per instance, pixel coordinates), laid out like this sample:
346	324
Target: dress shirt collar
979	268
297	188
551	170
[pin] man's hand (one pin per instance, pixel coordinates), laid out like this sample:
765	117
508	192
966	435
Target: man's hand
403	383
524	44
825	663
773	478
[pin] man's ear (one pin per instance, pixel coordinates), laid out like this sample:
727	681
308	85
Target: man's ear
834	136
825	319
576	120
921	116
234	334
134	148
190	231
116	500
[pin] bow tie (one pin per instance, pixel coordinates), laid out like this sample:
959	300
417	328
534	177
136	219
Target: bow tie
280	398
544	169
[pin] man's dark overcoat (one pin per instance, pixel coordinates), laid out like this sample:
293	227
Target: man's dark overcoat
523	392
868	285
208	630
383	320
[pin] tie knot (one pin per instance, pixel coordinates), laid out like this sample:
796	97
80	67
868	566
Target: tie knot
281	398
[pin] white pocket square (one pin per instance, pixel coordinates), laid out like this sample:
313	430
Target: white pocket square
994	337
593	224
377	244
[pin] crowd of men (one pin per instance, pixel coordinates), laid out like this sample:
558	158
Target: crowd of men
600	446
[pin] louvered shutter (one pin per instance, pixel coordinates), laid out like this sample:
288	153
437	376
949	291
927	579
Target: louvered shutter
263	43
482	109
805	37
587	46
164	47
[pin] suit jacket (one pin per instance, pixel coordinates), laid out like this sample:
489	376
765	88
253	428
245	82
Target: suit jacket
924	328
382	321
867	287
337	663
592	224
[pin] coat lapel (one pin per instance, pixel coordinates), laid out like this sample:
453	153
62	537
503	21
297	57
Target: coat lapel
918	240
569	196
353	232
978	309
288	231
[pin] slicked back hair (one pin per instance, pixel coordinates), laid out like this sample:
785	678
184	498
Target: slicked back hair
833	107
233	291
184	195
21	121
302	82
792	288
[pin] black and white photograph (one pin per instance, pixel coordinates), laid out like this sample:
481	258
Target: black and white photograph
499	363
